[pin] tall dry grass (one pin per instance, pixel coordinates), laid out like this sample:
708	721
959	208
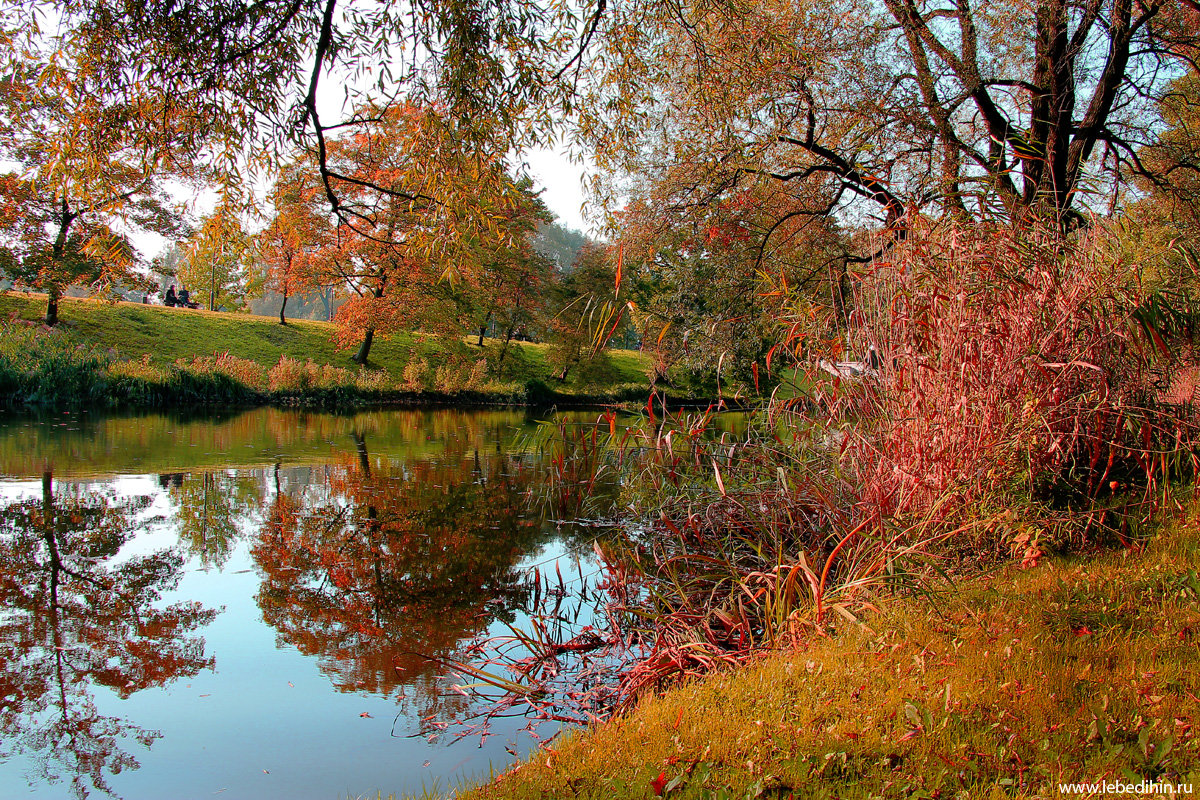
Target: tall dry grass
1011	366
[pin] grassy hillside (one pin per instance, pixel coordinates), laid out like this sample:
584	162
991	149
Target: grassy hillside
1077	670
152	343
167	334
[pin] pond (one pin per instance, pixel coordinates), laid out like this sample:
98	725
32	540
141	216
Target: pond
247	605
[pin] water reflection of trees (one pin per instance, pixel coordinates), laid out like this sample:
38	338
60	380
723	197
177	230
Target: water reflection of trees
76	617
210	507
383	564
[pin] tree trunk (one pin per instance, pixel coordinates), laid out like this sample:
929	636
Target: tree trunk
364	349
508	335
282	306
57	252
483	326
52	306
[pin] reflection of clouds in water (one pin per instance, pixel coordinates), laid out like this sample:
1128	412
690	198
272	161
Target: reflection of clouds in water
15	491
153	522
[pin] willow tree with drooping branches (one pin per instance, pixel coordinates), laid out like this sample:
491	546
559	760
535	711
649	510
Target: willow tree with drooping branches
876	112
262	80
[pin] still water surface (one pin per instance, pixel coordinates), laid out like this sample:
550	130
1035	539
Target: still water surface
241	607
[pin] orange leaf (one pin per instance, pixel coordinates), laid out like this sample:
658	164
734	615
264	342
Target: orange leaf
620	263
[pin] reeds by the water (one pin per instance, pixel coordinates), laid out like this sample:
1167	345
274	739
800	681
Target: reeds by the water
1018	403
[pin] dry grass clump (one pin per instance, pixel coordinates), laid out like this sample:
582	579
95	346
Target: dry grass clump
242	370
291	375
140	370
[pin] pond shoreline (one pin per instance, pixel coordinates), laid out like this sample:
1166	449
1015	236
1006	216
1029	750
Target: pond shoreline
468	401
335	400
1081	669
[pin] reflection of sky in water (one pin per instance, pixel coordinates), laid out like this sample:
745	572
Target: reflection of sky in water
266	722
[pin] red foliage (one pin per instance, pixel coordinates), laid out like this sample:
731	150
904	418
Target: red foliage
658	784
1006	359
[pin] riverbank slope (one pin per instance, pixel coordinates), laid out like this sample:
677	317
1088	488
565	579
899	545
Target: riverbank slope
1082	669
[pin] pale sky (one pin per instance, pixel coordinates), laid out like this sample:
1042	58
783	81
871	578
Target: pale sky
562	181
552	171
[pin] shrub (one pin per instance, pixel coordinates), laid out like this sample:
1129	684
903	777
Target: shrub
537	393
139	383
446	378
372	380
43	369
416	375
477	379
288	375
241	370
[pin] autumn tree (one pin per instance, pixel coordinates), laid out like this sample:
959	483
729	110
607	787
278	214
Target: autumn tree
878	111
586	310
69	211
286	247
218	260
388	261
507	288
92	163
711	288
448	220
509	296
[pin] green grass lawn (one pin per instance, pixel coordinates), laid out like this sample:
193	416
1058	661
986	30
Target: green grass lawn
165	335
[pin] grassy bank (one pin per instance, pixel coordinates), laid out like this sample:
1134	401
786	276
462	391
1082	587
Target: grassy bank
130	355
1083	669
